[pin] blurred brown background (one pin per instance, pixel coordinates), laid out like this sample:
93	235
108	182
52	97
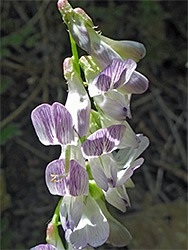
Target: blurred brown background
34	43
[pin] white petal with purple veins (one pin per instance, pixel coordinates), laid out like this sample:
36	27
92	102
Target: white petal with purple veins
54	177
103	141
43	123
122	72
53	124
75	183
130	139
63	124
137	84
113	76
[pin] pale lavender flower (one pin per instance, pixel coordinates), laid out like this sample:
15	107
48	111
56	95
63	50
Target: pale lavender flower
83	222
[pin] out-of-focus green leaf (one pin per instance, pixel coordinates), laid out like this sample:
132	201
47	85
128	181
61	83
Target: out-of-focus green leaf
32	40
8	132
15	38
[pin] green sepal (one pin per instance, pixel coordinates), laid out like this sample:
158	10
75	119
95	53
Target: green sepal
95	191
89	171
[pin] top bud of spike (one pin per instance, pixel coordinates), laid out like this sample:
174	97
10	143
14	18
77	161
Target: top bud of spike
64	7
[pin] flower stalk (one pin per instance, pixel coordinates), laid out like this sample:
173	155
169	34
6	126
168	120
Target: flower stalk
99	150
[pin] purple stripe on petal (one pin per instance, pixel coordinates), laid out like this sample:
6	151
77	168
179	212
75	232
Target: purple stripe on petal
53	124
123	74
53	176
103	141
43	123
113	76
77	180
101	84
137	84
63	124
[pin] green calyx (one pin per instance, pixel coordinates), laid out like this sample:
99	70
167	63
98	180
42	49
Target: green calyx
95	191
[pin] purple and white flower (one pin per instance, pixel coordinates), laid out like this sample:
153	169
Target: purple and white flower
54	126
119	74
113	86
83	222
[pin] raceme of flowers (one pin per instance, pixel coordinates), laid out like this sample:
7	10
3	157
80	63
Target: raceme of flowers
99	149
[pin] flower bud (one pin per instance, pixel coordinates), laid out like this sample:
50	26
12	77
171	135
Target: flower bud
64	7
52	236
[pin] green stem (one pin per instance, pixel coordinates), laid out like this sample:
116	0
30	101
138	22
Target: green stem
75	54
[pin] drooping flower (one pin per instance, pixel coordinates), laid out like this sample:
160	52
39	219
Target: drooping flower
101	48
83	222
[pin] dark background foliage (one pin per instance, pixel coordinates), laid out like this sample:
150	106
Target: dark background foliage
33	46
